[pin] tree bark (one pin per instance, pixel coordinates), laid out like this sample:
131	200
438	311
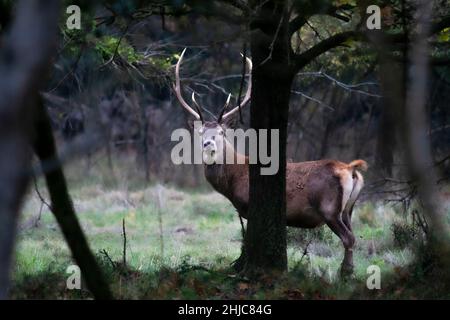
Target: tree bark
62	206
265	238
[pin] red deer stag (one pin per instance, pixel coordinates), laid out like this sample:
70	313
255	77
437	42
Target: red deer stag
317	192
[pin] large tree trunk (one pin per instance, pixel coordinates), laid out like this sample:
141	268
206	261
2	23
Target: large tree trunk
62	206
265	239
24	59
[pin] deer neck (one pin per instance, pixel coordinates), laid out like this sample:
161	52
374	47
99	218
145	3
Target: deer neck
223	176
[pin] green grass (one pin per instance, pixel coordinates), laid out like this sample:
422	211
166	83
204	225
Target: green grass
201	236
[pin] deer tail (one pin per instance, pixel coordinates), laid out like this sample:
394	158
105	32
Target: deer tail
358	165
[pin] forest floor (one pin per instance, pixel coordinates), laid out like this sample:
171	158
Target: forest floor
179	244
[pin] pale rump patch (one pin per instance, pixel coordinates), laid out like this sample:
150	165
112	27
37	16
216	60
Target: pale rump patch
358	185
358	164
351	181
347	186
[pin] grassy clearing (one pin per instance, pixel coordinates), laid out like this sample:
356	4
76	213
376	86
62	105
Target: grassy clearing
201	236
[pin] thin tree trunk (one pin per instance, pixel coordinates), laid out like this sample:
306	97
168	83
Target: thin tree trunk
24	59
62	206
144	140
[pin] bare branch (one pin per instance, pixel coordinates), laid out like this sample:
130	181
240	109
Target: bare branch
124	252
313	99
247	94
116	50
242	5
334	41
272	44
296	24
349	87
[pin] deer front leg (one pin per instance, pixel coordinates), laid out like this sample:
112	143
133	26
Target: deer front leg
239	264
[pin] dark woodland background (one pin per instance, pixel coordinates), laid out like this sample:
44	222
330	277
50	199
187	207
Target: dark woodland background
106	93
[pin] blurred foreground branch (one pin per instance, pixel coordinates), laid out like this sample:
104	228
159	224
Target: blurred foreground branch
418	147
24	59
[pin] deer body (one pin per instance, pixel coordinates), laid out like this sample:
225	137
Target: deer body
317	192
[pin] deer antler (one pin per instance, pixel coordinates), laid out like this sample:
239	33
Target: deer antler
177	89
246	97
224	108
197	106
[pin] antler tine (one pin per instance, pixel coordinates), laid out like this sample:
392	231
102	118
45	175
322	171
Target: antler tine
197	106
224	108
177	89
247	94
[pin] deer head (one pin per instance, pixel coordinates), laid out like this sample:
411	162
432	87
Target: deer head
211	132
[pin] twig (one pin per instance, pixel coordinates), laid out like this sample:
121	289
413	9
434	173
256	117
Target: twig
241	86
203	268
116	50
161	237
349	87
230	76
40	196
272	45
305	251
313	99
105	253
36	222
124	234
442	128
439	162
314	30
242	227
71	71
420	221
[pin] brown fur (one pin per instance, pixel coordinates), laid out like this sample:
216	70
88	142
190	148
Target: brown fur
317	192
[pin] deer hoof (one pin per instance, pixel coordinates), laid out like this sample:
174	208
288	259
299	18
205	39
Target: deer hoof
346	271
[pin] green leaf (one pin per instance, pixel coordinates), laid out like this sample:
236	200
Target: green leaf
444	35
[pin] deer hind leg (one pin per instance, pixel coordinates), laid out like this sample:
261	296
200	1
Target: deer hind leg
332	213
347	217
348	240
